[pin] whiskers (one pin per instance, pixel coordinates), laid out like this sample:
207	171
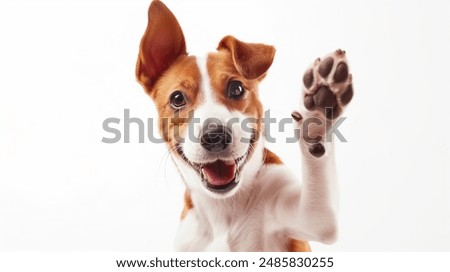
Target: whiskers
162	167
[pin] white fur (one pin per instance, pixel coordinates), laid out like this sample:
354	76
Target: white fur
267	208
267	211
210	108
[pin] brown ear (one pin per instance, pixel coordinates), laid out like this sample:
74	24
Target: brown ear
163	42
252	60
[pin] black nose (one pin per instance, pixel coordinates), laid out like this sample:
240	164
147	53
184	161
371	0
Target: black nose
215	138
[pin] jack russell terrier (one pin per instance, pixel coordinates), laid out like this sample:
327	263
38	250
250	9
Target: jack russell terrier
239	195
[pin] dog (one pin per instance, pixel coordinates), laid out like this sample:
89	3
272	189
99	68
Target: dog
239	195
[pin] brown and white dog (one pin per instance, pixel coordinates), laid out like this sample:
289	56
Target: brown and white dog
239	195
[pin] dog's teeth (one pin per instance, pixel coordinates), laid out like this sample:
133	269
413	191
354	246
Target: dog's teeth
236	177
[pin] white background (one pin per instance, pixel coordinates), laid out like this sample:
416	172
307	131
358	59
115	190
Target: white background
65	66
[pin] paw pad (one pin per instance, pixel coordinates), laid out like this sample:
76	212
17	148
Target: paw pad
328	85
317	150
325	67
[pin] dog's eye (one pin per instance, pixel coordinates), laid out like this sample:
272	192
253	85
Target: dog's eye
235	89
177	100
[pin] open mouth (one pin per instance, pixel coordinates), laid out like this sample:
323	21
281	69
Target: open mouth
220	176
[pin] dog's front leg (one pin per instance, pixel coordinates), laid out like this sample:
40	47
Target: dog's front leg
319	194
328	89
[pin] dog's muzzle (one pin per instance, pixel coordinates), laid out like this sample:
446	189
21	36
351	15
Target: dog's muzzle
220	171
219	176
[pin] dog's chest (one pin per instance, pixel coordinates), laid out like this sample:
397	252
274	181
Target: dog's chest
242	227
244	232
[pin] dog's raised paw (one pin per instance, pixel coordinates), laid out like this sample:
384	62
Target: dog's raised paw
328	85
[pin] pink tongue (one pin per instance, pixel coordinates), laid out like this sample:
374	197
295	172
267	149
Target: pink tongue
219	173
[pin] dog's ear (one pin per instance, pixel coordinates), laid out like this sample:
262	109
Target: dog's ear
252	60
163	42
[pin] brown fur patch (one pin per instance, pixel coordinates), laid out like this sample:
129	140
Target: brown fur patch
221	71
183	75
271	158
187	205
298	246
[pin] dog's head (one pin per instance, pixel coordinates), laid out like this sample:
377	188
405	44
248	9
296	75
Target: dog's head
209	109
